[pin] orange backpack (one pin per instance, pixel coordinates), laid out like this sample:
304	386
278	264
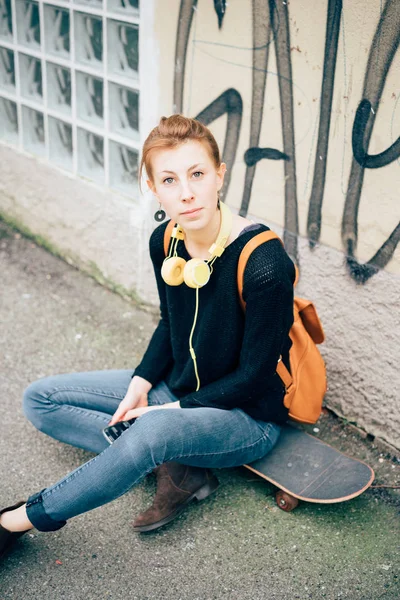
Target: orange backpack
306	384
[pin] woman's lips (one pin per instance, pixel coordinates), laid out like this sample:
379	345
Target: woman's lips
191	213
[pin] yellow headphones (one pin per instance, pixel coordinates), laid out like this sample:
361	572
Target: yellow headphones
196	271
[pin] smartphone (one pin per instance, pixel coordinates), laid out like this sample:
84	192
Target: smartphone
112	432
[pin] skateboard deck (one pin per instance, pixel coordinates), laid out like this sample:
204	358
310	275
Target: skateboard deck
305	468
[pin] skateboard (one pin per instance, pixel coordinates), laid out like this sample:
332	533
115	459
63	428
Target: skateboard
305	468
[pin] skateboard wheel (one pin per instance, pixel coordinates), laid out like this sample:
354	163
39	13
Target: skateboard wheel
285	501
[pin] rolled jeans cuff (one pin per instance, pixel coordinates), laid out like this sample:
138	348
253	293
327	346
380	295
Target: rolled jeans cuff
37	515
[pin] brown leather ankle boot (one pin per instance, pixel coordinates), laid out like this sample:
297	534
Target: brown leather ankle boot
7	538
177	485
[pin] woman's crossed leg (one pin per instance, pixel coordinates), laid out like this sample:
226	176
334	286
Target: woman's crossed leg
202	437
75	407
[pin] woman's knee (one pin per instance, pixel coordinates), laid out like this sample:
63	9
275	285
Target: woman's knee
35	402
160	432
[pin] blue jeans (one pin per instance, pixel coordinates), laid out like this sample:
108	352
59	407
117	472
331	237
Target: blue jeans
74	408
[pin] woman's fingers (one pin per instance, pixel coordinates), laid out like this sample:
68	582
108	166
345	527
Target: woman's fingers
114	419
138	412
125	408
118	415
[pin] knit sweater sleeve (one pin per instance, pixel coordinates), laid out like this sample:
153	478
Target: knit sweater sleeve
157	359
268	293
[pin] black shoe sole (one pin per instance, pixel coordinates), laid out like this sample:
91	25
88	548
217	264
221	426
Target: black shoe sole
8	538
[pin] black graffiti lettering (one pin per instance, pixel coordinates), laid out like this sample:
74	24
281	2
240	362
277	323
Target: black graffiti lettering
253	155
365	160
321	156
267	18
185	18
362	272
271	25
229	103
261	36
383	48
359	273
220	8
386	251
279	14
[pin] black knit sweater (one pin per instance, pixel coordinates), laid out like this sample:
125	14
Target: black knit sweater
236	353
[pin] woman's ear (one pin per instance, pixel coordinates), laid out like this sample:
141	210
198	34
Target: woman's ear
151	186
221	174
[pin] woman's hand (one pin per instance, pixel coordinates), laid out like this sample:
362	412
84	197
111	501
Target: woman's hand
135	397
138	412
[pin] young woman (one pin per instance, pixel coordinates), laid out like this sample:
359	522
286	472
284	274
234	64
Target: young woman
206	393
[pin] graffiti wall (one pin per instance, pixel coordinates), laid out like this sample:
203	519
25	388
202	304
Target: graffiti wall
304	99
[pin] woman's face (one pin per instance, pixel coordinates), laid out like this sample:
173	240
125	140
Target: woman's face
186	182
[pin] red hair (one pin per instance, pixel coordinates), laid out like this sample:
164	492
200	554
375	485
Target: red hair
172	131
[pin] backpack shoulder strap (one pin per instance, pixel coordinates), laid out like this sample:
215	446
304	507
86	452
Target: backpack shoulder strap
257	240
167	235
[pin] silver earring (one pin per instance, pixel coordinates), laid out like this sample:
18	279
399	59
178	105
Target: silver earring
159	215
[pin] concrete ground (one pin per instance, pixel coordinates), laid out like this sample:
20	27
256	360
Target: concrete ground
236	544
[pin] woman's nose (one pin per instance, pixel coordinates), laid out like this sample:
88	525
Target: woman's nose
186	193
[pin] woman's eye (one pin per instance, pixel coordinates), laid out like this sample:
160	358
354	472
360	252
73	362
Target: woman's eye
197	174
168	180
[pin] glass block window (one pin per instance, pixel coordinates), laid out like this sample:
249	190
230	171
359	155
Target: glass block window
7	70
69	85
8	121
6	25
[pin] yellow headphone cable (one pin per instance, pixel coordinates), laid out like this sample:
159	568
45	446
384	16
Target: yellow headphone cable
215	250
191	349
